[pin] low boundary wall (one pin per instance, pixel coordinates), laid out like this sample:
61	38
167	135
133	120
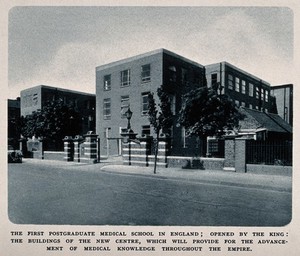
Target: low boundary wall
270	169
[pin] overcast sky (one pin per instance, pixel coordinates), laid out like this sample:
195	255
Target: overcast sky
61	46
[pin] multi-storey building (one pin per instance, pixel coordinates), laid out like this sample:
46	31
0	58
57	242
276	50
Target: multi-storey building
245	89
13	118
34	98
284	101
128	82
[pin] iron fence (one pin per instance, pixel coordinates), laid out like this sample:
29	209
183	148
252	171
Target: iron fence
269	152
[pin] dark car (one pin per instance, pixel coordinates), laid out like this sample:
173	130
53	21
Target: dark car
14	156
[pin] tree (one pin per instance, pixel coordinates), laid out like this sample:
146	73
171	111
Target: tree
205	112
160	117
53	122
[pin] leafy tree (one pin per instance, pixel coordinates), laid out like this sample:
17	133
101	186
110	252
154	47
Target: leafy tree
53	122
160	116
205	112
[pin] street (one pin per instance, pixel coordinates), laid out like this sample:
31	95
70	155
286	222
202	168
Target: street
85	195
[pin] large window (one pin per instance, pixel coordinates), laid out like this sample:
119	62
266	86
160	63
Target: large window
267	96
172	74
230	82
243	86
251	90
262	94
145	103
146	73
124	105
125	77
257	92
107	108
237	84
107	82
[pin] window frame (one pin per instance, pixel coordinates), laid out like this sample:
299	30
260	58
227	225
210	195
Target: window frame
107	108
146	78
125	77
107	86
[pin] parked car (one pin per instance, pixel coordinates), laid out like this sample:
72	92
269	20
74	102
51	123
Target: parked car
14	156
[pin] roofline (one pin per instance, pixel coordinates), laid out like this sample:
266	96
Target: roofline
143	55
274	87
240	70
59	89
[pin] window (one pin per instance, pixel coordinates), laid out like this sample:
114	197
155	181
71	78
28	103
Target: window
146	130
172	72
106	109
243	86
125	77
214	79
250	106
107	82
267	96
173	104
237	103
251	90
230	82
257	92
237	84
146	73
145	102
243	104
184	76
124	105
262	94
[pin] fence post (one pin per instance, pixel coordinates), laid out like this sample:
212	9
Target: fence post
77	140
68	148
229	154
240	154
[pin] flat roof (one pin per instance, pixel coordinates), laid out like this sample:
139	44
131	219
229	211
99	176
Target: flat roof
225	63
143	55
58	89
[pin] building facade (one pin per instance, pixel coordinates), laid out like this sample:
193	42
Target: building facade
13	119
34	98
284	101
244	88
128	82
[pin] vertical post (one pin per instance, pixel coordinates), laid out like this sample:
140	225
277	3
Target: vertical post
90	148
77	140
240	154
68	148
229	163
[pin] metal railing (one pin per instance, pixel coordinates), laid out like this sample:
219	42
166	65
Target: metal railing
269	152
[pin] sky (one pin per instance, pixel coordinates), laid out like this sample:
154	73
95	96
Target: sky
62	46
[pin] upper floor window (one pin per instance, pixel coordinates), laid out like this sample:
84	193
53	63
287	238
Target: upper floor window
257	92
243	86
184	76
237	84
267	96
107	108
107	82
124	105
251	90
146	73
172	72
262	94
214	79
145	103
230	82
125	77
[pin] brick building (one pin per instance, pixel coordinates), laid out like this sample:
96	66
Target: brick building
244	88
128	82
34	98
284	101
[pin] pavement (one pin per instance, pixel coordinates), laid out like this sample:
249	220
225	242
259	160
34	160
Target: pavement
217	177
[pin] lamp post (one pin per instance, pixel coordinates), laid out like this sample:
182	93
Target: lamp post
128	115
